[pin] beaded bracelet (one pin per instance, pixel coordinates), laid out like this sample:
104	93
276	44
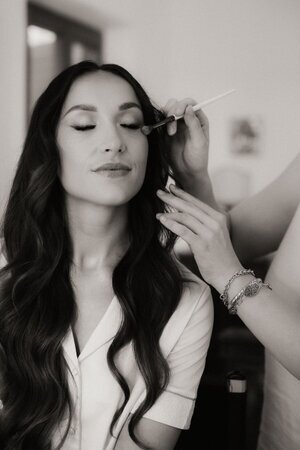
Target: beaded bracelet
252	288
224	295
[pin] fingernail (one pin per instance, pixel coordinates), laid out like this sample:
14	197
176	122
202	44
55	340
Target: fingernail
160	192
190	110
172	129
160	217
169	129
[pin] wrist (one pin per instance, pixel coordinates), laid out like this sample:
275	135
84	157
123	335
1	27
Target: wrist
221	281
199	185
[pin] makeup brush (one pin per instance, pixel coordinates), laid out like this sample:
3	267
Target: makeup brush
146	129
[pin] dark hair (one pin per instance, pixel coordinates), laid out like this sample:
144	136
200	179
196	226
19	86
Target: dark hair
37	302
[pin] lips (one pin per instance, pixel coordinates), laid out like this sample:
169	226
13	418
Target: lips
112	167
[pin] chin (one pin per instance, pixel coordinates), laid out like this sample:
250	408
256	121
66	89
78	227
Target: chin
119	194
115	197
110	194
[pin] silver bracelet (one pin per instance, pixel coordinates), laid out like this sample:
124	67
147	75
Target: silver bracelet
252	288
224	295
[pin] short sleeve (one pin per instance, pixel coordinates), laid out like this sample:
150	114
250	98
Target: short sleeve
186	360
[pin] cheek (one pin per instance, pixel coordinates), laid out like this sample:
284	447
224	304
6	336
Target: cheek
141	161
141	155
70	167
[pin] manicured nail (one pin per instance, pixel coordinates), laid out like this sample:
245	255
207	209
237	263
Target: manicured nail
160	217
172	129
189	110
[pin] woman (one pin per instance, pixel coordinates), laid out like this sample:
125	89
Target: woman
257	227
103	337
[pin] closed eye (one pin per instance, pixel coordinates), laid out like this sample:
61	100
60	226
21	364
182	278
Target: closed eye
83	128
131	126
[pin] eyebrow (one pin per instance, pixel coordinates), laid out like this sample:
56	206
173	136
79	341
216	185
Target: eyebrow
92	108
128	105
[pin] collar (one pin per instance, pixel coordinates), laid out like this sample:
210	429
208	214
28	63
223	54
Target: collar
103	333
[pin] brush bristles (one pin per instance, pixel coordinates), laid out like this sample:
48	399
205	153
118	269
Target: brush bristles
146	129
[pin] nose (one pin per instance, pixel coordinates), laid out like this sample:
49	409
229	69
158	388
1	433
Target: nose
111	140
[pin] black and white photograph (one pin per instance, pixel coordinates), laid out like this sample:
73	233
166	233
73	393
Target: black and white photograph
150	225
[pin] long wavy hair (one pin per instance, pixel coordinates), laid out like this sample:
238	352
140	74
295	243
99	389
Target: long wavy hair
37	301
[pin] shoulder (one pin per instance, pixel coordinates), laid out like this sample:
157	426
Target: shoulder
192	321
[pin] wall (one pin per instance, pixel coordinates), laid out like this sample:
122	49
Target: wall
202	48
12	89
184	48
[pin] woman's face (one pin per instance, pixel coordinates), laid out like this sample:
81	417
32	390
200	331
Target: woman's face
103	152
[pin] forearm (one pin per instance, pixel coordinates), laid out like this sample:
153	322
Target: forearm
257	226
274	316
274	319
259	223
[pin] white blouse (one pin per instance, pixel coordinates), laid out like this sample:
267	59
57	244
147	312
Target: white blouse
96	393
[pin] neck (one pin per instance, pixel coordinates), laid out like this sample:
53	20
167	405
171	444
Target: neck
99	235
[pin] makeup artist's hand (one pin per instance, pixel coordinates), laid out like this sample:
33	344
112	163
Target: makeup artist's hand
189	143
205	231
189	139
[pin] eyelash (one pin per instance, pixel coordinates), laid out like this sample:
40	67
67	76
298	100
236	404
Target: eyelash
84	128
131	126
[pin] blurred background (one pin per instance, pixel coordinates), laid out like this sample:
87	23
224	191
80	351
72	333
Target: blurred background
175	48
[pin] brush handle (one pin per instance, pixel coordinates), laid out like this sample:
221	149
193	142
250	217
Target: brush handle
146	129
206	102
